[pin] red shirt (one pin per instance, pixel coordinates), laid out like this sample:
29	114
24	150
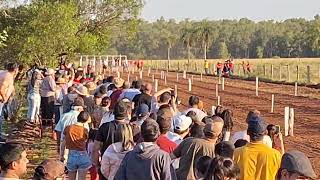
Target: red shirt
165	144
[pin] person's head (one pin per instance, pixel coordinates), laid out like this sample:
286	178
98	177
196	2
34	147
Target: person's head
165	98
150	130
84	117
222	168
49	169
103	90
78	104
124	134
148	88
137	84
182	124
196	129
252	114
164	124
193	101
257	128
110	79
118	82
202	166
83	81
112	87
142	111
240	143
97	97
272	130
295	165
224	149
122	111
71	89
207	119
165	113
106	101
213	130
193	116
12	67
218	111
227	117
13	159
78	75
126	85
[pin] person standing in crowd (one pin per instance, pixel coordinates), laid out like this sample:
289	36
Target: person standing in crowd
227	117
146	160
87	98
193	104
256	160
59	94
191	149
114	154
93	170
67	119
181	128
295	165
133	91
206	67
13	161
76	136
222	168
34	97
118	82
48	88
163	141
276	137
106	133
202	166
68	99
219	68
144	98
49	169
6	88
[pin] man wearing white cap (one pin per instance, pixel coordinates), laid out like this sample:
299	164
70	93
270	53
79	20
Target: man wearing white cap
48	88
181	127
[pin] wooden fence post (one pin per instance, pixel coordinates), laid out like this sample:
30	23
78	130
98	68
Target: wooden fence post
286	120
271	71
308	74
272	103
297	73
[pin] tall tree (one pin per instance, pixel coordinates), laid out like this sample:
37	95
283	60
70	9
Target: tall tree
187	37
205	34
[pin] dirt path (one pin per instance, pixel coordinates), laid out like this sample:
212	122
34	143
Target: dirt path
239	95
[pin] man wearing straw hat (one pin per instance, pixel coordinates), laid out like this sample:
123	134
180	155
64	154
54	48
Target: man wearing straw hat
118	82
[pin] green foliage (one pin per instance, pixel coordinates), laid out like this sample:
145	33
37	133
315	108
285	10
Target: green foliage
222	51
3	38
260	52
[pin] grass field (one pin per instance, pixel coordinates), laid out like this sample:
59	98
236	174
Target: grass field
283	69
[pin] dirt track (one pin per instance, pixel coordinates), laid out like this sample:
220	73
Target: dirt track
240	96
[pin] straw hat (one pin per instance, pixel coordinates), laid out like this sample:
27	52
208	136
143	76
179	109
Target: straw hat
50	71
118	82
61	81
83	91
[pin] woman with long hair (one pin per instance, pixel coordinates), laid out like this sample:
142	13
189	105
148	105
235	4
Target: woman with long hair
34	98
227	117
222	168
114	154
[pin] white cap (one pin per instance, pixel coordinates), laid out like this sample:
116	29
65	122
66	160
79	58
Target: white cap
182	122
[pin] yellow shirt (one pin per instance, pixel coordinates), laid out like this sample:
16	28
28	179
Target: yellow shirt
206	64
257	161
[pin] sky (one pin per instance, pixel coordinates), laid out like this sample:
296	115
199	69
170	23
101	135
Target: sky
256	10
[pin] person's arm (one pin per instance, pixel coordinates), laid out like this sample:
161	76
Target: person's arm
52	84
121	173
278	143
167	169
161	92
95	153
105	165
62	149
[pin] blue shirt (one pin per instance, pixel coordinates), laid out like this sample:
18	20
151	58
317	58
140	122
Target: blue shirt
129	93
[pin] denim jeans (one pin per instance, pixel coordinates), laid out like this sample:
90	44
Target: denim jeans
78	160
1	116
34	101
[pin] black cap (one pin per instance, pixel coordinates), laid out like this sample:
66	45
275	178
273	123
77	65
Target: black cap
296	161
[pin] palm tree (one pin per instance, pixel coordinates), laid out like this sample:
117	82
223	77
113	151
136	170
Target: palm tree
170	40
187	37
205	33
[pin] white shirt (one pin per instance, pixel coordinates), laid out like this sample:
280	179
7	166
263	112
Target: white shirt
200	114
243	135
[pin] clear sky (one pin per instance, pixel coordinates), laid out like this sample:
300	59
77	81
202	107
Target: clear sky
256	10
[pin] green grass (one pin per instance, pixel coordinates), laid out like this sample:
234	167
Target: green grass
260	67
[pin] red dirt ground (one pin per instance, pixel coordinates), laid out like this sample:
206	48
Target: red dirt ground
239	95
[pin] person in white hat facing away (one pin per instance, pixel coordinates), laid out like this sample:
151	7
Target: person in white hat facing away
48	88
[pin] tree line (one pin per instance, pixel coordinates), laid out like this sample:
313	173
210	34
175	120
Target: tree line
165	39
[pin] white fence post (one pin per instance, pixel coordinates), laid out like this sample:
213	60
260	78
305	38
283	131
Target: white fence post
217	90
190	84
184	74
295	89
156	85
286	120
218	101
257	86
272	103
291	122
